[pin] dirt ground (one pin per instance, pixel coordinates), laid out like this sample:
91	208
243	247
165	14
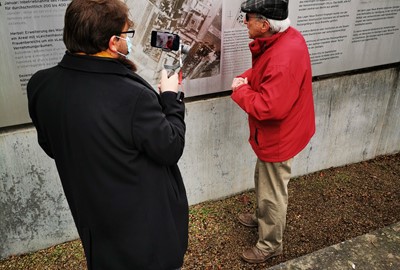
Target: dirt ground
325	208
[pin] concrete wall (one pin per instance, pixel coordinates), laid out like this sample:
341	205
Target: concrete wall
357	119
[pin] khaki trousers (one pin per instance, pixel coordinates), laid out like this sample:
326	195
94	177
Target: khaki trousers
271	187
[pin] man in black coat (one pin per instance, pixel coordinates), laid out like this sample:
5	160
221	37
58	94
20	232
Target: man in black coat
115	142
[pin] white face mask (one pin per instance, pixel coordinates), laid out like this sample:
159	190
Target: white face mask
128	45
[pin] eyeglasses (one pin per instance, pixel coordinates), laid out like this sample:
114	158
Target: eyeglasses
129	33
248	17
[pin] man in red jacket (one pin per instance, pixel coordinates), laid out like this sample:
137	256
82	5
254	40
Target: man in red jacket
276	93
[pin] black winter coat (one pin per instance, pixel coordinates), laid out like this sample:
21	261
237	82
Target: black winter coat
116	144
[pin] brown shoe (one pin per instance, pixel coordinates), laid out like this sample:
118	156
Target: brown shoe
247	220
256	255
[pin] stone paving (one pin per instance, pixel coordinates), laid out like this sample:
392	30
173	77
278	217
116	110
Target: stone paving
378	250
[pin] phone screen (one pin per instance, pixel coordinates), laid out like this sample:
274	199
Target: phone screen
165	40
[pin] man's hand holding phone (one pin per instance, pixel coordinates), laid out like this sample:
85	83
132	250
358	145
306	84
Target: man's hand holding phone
168	83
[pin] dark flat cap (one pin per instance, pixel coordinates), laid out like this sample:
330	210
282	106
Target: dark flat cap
271	9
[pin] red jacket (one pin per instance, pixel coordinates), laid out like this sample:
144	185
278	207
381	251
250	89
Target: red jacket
278	98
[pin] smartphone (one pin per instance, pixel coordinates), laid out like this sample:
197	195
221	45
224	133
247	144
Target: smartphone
165	40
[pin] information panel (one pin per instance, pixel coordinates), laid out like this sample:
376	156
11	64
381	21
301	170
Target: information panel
341	35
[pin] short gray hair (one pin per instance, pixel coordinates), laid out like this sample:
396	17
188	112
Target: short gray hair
278	26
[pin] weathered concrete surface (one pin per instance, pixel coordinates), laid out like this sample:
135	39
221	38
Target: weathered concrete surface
378	250
33	210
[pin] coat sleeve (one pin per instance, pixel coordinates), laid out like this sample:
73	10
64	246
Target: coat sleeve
272	99
159	130
32	95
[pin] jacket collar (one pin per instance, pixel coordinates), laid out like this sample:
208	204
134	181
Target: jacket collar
97	64
93	64
260	45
